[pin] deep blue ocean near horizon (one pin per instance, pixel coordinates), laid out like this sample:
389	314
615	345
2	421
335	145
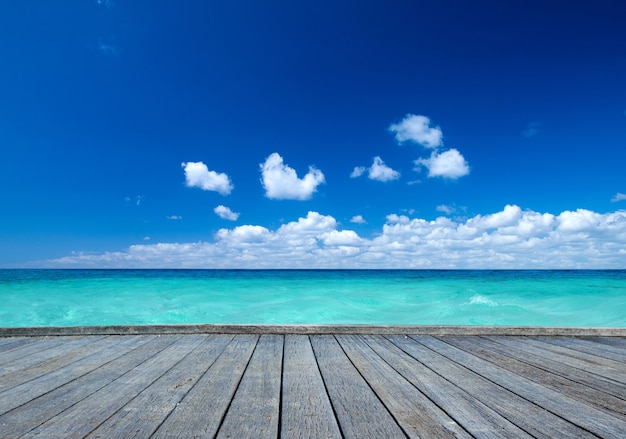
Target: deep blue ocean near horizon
592	298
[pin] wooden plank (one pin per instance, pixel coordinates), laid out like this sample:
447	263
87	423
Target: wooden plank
359	411
619	342
484	349
589	347
146	412
535	420
417	415
474	416
55	378
24	351
28	416
83	417
7	344
52	359
254	411
601	366
306	409
201	411
579	414
543	350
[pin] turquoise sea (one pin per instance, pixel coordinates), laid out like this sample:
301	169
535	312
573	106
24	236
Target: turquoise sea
407	297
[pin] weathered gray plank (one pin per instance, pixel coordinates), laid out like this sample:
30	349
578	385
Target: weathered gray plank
533	419
589	347
254	411
600	364
83	417
483	349
507	346
574	411
306	410
477	418
27	391
360	413
568	357
26	417
9	343
417	415
201	411
24	351
618	342
144	414
52	360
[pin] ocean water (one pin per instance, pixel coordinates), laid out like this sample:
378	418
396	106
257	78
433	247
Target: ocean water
408	297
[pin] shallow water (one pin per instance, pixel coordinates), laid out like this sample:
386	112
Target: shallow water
408	297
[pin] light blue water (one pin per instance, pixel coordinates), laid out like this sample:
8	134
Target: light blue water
124	297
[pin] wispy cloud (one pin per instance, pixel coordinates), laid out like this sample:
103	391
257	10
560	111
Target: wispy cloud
417	128
511	238
107	48
532	129
225	213
358	219
448	210
198	175
379	171
174	217
618	197
282	183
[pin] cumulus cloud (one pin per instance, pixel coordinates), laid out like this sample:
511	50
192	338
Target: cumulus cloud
225	213
618	197
379	171
448	164
358	219
416	128
508	239
282	183
198	175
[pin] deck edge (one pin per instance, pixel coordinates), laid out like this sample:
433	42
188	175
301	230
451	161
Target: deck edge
311	330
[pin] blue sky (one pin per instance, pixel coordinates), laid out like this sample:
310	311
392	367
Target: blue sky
354	134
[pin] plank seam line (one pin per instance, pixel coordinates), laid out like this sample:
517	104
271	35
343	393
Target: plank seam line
194	384
582	427
280	393
332	406
413	385
230	403
406	434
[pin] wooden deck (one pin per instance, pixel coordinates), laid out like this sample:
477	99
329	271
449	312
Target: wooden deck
270	385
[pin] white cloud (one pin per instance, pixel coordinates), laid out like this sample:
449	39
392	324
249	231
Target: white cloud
198	175
357	171
448	164
416	128
448	210
282	183
511	238
618	197
225	213
174	217
379	171
358	219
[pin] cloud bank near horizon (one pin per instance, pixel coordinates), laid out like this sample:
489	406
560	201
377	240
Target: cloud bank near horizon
510	239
